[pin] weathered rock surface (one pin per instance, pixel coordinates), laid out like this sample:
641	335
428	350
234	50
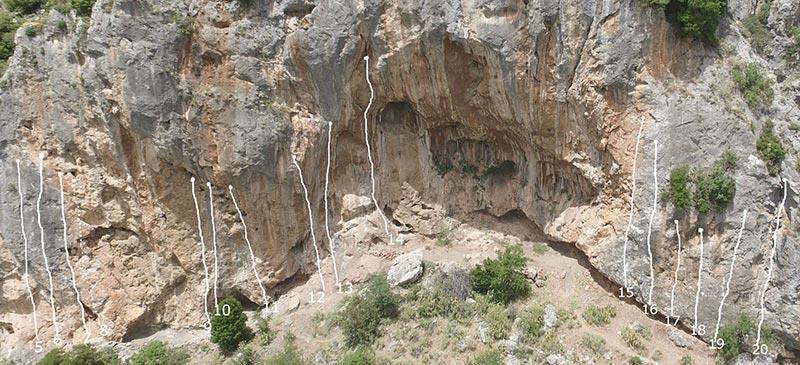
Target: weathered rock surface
522	110
406	269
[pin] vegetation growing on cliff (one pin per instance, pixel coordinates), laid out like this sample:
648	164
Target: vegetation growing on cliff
695	18
770	149
754	84
24	6
706	190
8	26
739	337
755	29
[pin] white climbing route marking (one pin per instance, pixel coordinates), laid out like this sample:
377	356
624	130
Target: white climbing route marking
310	222
331	245
677	268
650	224
56	336
249	247
369	152
25	242
66	252
630	215
778	216
214	243
203	254
699	283
728	281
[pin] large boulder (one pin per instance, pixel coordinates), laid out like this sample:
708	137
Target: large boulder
405	269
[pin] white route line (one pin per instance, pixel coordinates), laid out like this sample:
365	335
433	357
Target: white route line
25	241
699	282
730	277
214	242
66	252
56	336
249	247
310	222
331	245
650	224
630	215
369	153
203	253
778	216
677	268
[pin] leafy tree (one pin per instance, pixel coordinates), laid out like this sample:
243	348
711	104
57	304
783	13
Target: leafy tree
754	84
362	314
229	325
697	18
500	279
24	6
82	7
81	355
158	353
770	149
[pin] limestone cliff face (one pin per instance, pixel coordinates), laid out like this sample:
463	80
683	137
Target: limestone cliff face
510	108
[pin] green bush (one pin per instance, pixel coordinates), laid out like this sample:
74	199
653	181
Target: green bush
24	6
360	356
290	355
754	84
442	238
770	149
635	360
227	331
599	316
755	29
696	18
500	278
81	355
489	357
706	190
595	344
436	302
686	360
184	23
740	337
532	322
30	31
362	314
497	320
8	26
636	336
82	7
714	190
794	49
678	191
158	353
